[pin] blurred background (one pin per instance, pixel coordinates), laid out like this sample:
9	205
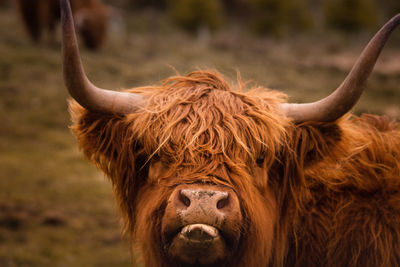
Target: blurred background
58	210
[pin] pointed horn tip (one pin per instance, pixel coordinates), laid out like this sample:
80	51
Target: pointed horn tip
394	21
306	112
64	5
66	14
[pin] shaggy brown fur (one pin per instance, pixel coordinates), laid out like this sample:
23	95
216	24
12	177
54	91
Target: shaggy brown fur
91	16
325	194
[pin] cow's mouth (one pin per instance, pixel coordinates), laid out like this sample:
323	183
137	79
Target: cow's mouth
198	244
199	235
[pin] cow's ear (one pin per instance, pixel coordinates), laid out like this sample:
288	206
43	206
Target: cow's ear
104	139
107	141
313	141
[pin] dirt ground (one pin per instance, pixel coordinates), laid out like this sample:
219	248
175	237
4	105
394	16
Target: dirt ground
55	208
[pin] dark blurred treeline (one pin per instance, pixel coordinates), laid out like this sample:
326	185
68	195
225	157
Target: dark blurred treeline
267	17
272	17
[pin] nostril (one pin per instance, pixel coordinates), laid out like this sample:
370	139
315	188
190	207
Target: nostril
184	199
223	202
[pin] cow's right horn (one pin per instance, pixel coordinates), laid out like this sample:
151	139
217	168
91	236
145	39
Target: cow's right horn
346	95
79	86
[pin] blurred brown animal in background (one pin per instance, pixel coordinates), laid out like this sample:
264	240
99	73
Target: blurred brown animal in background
4	3
91	19
206	175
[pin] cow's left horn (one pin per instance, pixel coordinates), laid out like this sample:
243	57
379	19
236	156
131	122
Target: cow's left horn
79	86
347	94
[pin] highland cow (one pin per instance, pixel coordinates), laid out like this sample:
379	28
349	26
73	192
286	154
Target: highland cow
91	18
206	175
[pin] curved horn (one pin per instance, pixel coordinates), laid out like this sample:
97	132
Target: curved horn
347	94
79	86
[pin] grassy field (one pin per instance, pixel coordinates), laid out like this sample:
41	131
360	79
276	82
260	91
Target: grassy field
55	208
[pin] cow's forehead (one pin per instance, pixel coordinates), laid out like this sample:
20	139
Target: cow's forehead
195	120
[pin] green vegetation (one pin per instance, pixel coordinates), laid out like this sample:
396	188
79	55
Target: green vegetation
276	16
58	210
351	15
191	15
269	15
